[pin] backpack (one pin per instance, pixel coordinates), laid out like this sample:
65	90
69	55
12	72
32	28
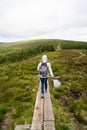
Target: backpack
43	69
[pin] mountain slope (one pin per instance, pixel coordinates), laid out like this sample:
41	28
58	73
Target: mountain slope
19	82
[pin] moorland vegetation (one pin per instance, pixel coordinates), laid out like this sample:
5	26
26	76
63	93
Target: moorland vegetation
19	82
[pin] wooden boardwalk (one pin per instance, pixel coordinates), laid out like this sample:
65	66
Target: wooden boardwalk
43	118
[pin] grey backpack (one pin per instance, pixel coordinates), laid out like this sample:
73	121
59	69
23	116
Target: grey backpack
44	69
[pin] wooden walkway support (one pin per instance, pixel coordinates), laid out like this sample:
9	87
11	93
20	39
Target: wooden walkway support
43	118
23	127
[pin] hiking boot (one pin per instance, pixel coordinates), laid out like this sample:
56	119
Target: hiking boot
42	95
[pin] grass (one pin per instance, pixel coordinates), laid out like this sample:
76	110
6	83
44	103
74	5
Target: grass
19	83
18	88
73	78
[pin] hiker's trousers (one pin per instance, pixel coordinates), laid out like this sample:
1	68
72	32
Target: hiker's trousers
43	84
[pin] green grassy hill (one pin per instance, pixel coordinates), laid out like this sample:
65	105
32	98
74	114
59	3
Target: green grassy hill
66	44
19	82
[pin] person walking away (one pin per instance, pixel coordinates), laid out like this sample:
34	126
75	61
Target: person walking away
44	67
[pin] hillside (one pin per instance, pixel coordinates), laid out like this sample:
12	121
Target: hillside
19	82
63	43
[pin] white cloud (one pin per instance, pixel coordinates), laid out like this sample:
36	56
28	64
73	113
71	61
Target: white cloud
31	19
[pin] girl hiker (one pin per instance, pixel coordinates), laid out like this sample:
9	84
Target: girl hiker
44	67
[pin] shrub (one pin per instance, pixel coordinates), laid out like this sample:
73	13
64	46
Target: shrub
26	53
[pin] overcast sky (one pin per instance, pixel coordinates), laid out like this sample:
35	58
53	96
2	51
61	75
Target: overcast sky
43	19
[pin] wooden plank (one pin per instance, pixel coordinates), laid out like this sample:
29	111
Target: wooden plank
23	127
37	126
43	118
38	112
48	110
49	125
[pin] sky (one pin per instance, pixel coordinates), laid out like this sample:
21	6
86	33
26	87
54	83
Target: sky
43	19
